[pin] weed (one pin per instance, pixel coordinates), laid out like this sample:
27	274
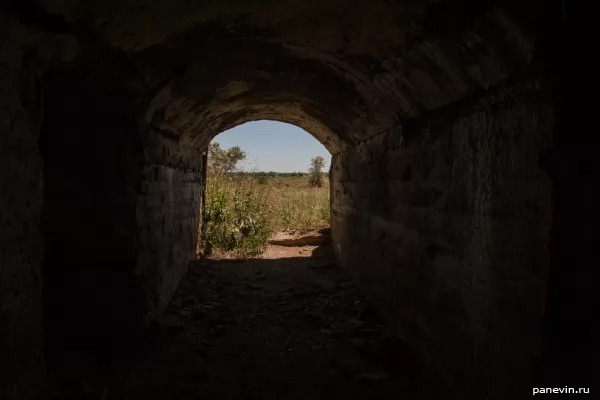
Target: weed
242	210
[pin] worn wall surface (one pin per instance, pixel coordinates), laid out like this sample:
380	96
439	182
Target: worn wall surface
168	215
20	209
25	52
93	163
446	223
121	206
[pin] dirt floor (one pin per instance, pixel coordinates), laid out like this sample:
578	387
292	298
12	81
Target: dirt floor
290	325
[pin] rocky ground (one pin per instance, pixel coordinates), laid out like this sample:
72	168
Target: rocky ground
290	325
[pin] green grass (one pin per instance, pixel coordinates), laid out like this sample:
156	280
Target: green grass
243	210
295	206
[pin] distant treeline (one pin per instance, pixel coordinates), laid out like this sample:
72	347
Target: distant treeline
272	174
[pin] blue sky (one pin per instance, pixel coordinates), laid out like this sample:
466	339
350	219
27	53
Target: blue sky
274	146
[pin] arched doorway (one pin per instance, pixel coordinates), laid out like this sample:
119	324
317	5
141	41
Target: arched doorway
264	178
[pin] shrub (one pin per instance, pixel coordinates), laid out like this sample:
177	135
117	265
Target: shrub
236	216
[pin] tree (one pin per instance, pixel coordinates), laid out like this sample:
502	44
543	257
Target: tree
223	161
315	176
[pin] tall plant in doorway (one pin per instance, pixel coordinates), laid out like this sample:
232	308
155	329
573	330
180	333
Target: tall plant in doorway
236	211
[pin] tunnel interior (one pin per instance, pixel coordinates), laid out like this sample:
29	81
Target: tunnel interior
444	120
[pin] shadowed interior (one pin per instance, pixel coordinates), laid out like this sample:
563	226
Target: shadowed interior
444	119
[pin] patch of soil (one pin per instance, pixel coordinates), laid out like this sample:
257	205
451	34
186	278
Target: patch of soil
301	238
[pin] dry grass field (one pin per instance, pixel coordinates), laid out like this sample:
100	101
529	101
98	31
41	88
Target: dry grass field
243	210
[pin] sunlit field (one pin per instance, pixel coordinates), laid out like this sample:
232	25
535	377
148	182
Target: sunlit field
243	210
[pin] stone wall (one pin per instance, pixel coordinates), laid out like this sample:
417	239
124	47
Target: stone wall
20	207
25	52
168	216
168	213
93	166
121	206
445	223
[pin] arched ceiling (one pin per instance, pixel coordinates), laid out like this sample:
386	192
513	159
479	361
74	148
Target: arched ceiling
342	70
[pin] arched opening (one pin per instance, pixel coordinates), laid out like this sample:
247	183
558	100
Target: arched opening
266	182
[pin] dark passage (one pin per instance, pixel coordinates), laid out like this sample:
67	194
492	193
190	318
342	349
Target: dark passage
462	200
276	328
